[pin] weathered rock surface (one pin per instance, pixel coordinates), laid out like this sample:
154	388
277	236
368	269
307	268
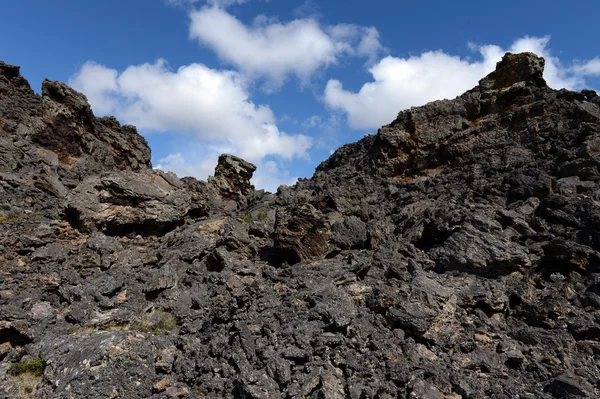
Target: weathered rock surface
148	202
454	254
232	176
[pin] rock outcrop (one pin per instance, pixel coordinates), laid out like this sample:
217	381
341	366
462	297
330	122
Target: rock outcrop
232	176
148	202
454	254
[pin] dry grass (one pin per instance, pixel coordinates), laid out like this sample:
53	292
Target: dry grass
26	385
25	378
156	323
12	218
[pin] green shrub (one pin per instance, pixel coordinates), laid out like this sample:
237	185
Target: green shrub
261	215
35	367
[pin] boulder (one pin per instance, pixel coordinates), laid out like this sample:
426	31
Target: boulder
120	203
232	176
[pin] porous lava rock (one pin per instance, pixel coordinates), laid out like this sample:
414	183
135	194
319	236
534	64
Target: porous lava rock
232	176
453	254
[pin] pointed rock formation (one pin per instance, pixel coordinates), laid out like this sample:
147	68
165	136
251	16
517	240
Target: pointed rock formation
232	176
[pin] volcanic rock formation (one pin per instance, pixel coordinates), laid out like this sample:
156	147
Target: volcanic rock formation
454	254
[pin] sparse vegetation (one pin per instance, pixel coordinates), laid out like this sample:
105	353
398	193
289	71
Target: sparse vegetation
35	367
246	218
26	377
80	330
156	323
261	215
118	327
26	385
10	218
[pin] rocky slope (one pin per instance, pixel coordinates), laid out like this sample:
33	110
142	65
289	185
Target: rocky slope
454	254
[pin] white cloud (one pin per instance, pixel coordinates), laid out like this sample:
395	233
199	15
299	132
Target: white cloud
213	106
275	50
369	45
224	3
219	3
399	83
177	164
270	176
97	83
590	68
311	121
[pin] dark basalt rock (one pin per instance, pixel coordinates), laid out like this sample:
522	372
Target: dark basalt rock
525	68
301	234
120	203
454	254
232	176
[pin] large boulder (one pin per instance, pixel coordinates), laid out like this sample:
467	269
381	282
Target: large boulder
118	203
232	176
515	68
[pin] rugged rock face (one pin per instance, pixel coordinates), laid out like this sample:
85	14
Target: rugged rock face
232	176
454	254
118	203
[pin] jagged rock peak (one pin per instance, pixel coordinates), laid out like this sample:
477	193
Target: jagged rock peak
232	176
61	93
12	73
59	128
514	68
8	70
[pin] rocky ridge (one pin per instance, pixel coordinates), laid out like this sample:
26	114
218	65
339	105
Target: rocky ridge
454	254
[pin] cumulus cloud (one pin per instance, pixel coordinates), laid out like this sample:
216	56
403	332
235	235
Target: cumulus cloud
270	176
98	83
275	50
399	83
212	106
177	164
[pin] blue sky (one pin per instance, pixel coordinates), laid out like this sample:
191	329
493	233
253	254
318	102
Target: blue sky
282	83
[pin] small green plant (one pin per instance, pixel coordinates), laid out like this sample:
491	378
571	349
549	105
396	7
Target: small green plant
246	218
35	367
261	215
156	323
